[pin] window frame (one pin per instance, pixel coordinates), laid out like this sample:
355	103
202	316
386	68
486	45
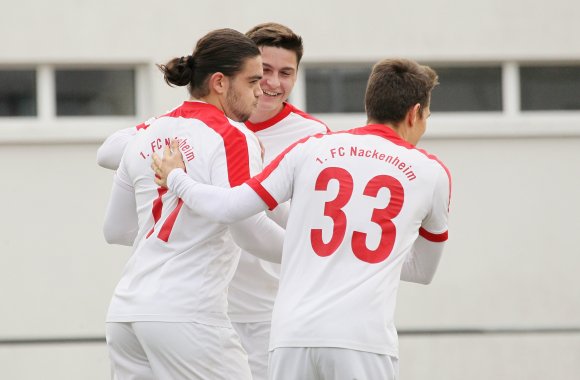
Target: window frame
510	122
48	127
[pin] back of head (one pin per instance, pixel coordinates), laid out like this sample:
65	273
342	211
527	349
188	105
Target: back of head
396	85
222	50
277	35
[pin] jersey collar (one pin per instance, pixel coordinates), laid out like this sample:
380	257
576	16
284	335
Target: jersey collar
255	127
383	131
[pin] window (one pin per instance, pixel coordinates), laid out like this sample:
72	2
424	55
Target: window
18	93
336	89
461	89
467	89
550	88
95	92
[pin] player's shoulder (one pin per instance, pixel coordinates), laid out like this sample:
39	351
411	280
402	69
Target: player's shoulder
154	119
434	162
190	111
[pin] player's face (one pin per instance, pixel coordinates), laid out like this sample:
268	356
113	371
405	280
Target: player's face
280	70
244	91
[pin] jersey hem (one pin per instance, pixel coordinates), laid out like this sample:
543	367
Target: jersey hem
165	318
337	344
246	318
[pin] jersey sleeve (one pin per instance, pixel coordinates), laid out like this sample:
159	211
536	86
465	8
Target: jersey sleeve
274	184
111	151
121	221
423	259
238	160
434	226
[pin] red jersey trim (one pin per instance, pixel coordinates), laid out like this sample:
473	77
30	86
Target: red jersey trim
235	143
286	110
255	127
436	238
307	116
262	193
274	164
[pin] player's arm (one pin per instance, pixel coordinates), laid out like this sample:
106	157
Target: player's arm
218	204
422	262
423	259
111	151
260	236
238	206
121	222
280	214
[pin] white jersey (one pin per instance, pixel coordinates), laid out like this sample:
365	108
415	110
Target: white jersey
182	263
360	199
255	284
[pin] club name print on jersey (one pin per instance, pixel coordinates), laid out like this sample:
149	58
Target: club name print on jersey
159	143
373	154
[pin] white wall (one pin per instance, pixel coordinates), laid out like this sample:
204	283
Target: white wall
447	29
513	254
511	261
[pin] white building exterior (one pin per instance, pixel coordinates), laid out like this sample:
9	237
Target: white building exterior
505	303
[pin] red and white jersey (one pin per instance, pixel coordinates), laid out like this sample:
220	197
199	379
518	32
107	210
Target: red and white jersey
182	263
360	199
254	286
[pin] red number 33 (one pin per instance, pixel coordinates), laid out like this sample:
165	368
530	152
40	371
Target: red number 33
334	209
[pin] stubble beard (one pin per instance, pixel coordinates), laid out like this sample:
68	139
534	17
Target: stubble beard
234	104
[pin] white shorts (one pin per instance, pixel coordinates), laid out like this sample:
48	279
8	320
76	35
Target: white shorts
166	350
328	363
255	337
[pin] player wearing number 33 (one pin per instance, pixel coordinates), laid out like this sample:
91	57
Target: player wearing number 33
363	203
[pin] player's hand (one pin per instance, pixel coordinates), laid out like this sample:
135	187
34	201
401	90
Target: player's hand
172	159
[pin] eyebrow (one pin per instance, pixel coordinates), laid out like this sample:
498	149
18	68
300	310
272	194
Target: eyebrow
283	68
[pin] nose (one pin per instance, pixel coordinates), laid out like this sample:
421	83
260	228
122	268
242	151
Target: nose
258	91
273	80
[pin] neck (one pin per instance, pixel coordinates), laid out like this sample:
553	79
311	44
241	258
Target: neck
209	99
394	126
259	116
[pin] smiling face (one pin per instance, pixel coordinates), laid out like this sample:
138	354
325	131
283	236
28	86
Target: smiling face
280	70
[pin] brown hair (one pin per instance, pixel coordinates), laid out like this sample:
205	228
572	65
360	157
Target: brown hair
396	85
277	35
222	50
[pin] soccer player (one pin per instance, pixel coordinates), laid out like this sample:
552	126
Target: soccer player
364	202
168	315
277	124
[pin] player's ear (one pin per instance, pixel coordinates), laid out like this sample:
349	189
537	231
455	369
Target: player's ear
413	114
218	82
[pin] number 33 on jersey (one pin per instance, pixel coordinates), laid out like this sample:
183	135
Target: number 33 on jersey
366	195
